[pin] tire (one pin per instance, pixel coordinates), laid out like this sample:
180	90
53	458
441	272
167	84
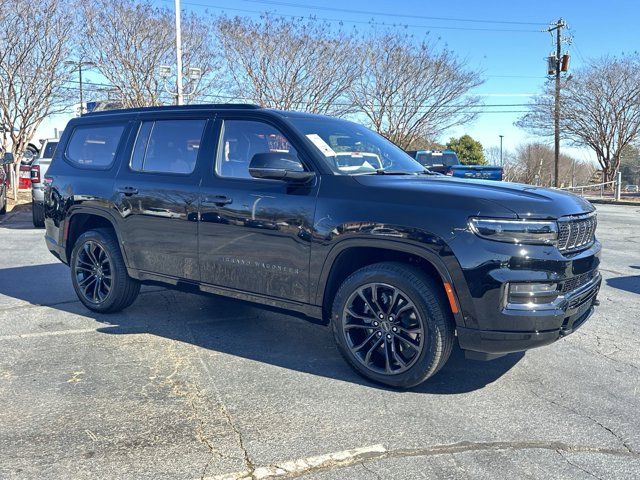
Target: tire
3	210
105	297
424	318
37	212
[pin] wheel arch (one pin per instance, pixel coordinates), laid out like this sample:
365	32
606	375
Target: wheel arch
83	219
350	255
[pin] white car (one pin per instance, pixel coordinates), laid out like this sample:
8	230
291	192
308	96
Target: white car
39	168
631	189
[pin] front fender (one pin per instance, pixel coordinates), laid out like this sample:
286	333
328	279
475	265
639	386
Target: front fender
430	248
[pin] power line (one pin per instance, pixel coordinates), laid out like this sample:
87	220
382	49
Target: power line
361	22
515	76
337	104
387	14
475	109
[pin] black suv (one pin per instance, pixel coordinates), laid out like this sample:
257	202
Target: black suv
325	218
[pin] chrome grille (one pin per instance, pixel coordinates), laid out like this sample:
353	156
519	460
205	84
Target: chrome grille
575	233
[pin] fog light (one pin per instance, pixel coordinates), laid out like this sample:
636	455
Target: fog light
532	293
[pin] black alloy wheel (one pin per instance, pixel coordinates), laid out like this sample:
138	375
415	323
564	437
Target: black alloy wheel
383	328
99	273
93	272
392	323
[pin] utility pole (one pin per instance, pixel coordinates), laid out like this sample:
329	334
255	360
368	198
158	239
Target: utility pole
80	80
501	160
79	64
179	98
557	27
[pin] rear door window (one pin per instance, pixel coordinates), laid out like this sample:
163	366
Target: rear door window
167	146
94	146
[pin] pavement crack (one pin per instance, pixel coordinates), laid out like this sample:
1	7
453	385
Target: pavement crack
372	472
589	417
575	465
201	429
609	355
249	465
246	457
514	445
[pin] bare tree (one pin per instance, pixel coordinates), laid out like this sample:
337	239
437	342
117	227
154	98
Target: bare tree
128	41
600	109
35	39
533	163
299	64
410	90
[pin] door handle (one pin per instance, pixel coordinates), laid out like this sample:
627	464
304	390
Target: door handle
127	190
216	201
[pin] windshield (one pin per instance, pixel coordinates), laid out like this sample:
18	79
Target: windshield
351	149
437	159
49	150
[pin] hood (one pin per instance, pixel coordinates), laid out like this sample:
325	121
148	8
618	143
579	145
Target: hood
525	201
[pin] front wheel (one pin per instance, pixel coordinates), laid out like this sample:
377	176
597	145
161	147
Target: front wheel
99	274
392	324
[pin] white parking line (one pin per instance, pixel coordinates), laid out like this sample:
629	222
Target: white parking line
304	465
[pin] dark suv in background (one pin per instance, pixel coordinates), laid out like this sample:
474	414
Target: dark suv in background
325	218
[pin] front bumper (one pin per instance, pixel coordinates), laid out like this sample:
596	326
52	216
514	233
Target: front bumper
571	313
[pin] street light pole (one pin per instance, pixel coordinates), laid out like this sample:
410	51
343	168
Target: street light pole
501	160
179	97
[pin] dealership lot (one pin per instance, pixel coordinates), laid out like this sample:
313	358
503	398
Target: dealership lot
187	386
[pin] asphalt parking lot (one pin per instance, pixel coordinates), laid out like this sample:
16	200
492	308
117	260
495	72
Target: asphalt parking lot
186	386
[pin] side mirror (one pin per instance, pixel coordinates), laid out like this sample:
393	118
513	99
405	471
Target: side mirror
7	159
279	166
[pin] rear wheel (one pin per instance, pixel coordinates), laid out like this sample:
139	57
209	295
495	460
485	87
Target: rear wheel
37	212
392	324
99	274
3	200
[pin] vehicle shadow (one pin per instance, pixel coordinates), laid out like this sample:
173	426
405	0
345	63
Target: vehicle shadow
235	328
18	219
628	284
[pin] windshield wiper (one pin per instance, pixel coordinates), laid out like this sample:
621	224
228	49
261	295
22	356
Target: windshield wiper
381	171
426	171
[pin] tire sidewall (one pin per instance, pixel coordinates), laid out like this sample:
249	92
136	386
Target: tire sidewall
3	209
37	213
427	362
98	238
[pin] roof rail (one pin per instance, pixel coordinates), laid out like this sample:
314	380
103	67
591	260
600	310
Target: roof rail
172	108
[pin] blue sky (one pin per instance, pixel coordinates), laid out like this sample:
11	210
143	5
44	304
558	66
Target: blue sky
511	61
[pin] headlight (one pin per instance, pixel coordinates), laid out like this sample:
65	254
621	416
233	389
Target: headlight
536	232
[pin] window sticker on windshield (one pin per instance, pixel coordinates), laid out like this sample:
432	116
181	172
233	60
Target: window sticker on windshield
317	140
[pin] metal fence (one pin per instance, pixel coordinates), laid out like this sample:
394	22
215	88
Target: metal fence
612	188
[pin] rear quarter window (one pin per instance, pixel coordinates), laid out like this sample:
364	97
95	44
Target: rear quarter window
94	146
49	150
